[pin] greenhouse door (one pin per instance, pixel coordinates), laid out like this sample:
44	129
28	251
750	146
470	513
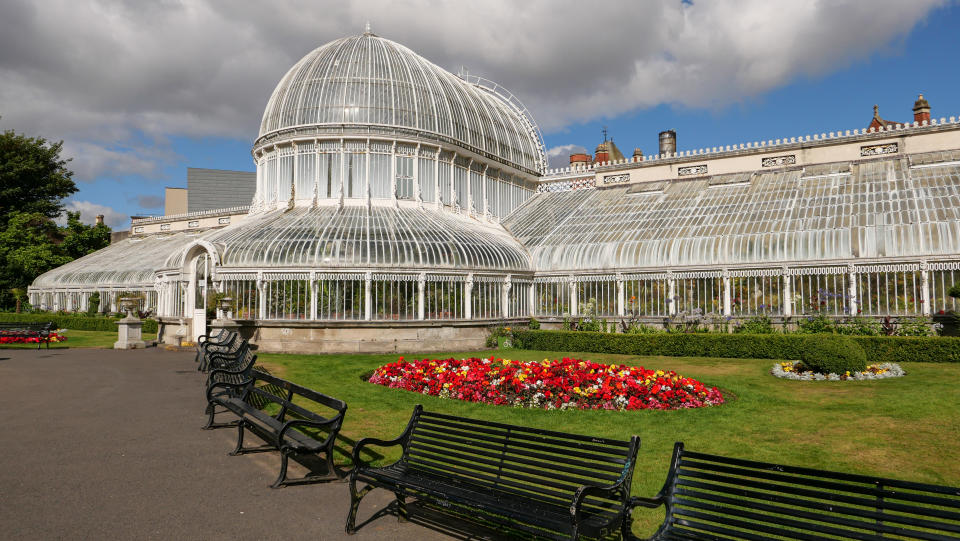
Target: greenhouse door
201	288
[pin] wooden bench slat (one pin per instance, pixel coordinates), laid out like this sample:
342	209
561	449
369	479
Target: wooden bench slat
831	486
530	430
583	443
584	475
605	467
896	483
468	468
831	516
533	446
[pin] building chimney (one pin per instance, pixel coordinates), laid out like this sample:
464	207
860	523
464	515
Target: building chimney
638	154
921	110
603	153
668	142
99	219
580	159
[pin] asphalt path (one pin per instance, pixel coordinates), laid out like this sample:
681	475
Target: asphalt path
104	444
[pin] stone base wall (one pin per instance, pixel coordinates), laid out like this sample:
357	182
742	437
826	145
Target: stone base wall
359	337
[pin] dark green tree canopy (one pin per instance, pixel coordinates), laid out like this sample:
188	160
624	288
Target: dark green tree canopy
33	176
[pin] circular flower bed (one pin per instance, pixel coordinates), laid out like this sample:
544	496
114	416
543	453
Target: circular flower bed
796	370
558	384
10	338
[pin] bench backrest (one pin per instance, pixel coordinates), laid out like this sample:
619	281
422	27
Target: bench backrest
290	400
35	327
746	499
234	360
234	342
540	465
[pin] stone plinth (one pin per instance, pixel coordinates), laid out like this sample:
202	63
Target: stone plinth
130	334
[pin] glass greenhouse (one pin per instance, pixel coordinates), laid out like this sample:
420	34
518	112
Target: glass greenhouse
389	189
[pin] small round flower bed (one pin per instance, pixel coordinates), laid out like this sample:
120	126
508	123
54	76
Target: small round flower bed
559	384
797	370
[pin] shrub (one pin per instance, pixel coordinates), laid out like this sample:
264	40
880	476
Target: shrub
816	325
860	326
74	321
878	349
954	291
756	325
640	328
916	326
833	355
93	303
534	324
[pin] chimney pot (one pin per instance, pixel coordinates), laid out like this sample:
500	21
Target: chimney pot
99	219
668	142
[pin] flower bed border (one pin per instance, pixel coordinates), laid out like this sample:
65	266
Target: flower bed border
893	370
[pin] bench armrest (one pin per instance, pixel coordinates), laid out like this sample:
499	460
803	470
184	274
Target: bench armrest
402	440
225	385
310	423
650	503
616	490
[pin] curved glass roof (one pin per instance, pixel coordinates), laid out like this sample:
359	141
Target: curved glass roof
880	209
406	238
132	262
369	80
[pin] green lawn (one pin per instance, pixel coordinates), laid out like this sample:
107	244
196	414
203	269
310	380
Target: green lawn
902	427
81	339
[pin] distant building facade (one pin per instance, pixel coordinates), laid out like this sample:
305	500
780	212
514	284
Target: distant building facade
212	189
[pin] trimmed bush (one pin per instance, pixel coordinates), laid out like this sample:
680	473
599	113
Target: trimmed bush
76	322
833	354
878	349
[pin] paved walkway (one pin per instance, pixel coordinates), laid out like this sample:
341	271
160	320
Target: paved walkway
104	444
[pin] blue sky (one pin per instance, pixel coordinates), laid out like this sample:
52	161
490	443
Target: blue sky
146	94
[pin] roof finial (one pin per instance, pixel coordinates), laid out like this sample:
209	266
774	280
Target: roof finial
366	28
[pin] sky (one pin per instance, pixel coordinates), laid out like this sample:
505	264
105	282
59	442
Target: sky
139	91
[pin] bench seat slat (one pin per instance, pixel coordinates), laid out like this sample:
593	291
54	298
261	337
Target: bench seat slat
531	508
459	467
821	505
784	515
554	497
692	518
896	483
507	459
790	488
534	447
476	444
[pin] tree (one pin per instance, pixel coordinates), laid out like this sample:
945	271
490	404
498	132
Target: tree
80	239
33	176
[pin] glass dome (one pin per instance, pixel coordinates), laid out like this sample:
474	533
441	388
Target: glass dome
367	81
407	238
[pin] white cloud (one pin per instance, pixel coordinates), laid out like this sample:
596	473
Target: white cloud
559	156
89	212
100	73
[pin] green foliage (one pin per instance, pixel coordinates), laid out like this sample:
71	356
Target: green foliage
80	239
916	326
93	303
818	324
76	322
833	355
534	324
497	332
640	328
860	326
879	349
33	182
954	291
756	325
33	177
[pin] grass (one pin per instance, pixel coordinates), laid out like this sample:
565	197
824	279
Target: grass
900	427
80	339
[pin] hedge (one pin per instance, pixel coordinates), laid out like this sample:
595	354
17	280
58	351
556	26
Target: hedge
79	323
879	349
